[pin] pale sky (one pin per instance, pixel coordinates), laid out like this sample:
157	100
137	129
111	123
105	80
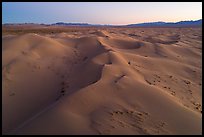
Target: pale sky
116	13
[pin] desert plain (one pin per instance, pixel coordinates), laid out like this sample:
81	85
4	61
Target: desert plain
101	80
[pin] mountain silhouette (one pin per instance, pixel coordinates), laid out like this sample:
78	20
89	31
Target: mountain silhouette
169	24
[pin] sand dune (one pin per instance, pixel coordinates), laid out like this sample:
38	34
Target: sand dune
103	81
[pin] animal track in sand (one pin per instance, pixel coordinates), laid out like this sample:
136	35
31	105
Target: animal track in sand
150	83
124	119
134	35
132	119
187	82
24	52
139	66
12	94
65	86
85	58
37	66
160	83
197	106
119	78
173	93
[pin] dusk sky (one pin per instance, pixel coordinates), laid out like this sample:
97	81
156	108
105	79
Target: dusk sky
116	13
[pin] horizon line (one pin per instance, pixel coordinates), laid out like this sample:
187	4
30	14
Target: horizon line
98	24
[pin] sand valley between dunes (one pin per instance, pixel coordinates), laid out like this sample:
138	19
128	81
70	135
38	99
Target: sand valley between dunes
76	80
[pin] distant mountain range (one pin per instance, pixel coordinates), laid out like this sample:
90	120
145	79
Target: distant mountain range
76	24
196	23
169	24
149	24
70	24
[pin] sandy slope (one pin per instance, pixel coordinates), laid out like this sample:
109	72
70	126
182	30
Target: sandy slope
103	81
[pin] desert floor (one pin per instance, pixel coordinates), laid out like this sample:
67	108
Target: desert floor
72	80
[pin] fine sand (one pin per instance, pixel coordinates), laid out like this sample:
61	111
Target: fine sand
102	80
